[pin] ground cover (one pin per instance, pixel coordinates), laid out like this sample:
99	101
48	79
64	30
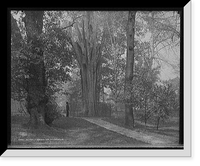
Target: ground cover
67	133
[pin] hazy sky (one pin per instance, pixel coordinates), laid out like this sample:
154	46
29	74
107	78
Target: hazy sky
170	54
172	57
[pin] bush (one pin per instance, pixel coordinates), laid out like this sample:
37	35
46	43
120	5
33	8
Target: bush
75	108
51	113
104	109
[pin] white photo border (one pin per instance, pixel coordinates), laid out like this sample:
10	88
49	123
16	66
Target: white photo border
185	152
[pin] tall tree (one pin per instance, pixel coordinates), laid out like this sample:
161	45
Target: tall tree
88	52
36	81
129	118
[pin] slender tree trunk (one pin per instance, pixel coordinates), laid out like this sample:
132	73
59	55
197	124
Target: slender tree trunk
129	118
23	110
103	96
145	113
158	121
84	88
99	89
145	118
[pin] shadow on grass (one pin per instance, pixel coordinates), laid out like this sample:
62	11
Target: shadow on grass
141	127
71	123
67	132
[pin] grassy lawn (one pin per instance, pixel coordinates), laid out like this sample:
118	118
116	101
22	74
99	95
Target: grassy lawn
165	128
67	133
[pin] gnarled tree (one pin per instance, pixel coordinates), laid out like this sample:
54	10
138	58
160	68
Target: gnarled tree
36	82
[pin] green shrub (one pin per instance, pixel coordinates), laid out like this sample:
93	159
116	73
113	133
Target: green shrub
75	108
104	109
51	113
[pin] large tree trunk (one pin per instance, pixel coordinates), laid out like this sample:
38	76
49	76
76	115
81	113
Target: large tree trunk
89	90
36	83
129	118
91	80
88	52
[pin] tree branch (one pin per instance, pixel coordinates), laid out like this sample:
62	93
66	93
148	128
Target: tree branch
169	28
73	22
102	44
77	53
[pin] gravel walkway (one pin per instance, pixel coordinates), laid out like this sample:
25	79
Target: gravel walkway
153	139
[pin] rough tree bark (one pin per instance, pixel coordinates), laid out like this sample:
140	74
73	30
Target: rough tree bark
88	53
129	118
36	83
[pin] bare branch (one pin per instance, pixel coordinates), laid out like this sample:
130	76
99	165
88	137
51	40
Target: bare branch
169	28
101	46
72	24
163	40
169	44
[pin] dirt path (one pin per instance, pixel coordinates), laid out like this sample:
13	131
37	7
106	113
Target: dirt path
150	138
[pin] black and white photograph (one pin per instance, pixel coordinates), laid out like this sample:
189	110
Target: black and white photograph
96	79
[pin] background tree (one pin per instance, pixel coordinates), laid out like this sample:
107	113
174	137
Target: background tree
113	69
146	74
164	102
145	77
